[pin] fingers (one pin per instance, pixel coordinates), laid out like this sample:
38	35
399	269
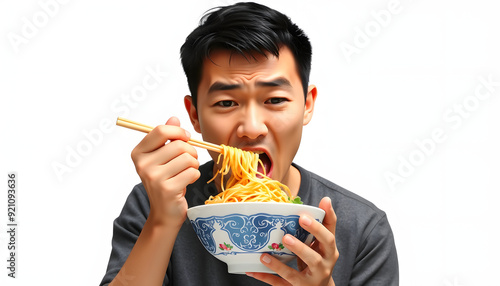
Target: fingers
176	185
152	151
160	135
307	255
164	154
285	272
330	220
268	278
324	246
316	261
166	164
324	233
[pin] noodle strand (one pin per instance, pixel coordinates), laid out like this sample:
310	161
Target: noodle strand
243	185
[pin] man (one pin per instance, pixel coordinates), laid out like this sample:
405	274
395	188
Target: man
248	71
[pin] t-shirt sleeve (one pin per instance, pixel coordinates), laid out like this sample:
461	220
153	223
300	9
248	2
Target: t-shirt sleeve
376	262
126	229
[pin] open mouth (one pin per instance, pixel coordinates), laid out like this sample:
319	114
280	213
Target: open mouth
266	166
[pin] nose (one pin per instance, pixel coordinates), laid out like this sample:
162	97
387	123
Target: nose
251	124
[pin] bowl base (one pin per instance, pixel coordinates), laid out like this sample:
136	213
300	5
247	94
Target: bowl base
243	268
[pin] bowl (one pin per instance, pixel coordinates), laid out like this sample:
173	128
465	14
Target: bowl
238	233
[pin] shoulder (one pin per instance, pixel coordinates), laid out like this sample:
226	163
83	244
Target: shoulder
356	214
344	197
314	188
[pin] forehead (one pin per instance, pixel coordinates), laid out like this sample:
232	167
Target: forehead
232	66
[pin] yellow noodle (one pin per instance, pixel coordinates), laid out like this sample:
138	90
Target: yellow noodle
243	184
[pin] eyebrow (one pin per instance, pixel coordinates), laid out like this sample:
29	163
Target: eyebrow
278	82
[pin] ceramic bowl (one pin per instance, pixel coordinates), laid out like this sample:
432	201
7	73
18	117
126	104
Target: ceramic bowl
238	233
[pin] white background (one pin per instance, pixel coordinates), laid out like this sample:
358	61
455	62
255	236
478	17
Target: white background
77	61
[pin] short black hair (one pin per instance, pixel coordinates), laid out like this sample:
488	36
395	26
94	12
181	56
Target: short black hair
244	28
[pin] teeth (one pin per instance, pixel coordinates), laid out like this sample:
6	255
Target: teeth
259	152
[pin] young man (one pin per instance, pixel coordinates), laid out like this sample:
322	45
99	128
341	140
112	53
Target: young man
248	70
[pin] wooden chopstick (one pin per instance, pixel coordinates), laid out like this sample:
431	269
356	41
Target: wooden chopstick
146	129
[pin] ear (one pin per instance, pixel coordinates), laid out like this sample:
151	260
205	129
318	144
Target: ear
193	114
312	92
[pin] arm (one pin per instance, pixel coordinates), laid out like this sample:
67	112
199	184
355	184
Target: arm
377	260
165	171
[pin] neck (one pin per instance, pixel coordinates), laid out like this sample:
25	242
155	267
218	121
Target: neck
292	179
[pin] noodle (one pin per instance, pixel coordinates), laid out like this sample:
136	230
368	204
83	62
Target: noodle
243	184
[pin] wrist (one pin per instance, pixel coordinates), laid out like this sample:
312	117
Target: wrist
169	215
163	222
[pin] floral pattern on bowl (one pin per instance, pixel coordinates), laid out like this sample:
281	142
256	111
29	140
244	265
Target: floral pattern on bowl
276	246
238	233
247	232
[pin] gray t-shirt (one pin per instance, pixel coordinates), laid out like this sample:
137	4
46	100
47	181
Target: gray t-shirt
363	234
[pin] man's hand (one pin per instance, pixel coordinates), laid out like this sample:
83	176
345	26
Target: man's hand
315	261
166	170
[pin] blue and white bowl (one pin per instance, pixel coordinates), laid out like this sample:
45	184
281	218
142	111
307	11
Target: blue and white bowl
238	233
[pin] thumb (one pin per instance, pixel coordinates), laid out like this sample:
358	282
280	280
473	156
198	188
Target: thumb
173	121
330	220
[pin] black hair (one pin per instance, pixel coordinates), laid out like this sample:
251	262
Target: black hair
244	28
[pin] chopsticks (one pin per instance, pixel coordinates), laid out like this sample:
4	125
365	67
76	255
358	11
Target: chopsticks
127	123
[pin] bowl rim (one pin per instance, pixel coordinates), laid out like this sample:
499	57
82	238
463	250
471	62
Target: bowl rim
281	205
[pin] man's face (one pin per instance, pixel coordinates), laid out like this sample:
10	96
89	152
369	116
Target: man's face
253	104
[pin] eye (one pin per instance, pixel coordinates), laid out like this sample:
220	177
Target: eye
276	100
225	103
